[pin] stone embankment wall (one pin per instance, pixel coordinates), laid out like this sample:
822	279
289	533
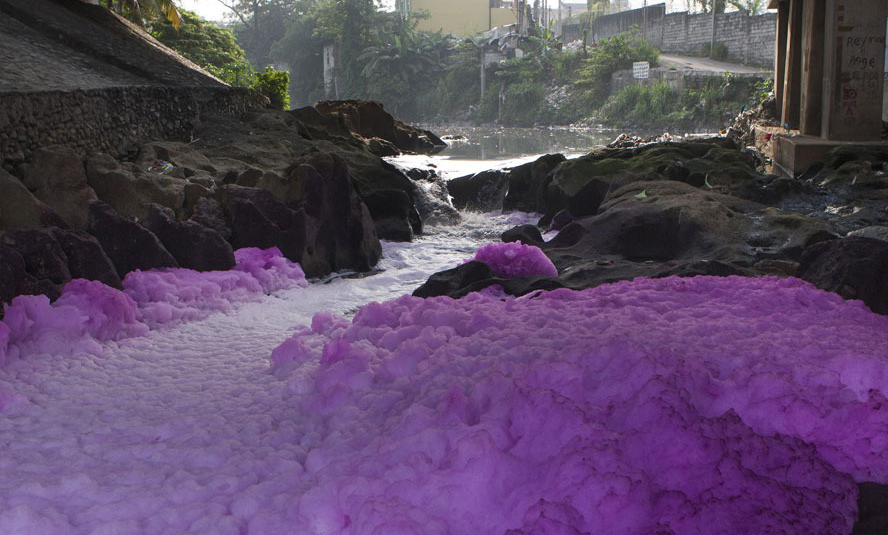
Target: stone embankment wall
111	120
749	39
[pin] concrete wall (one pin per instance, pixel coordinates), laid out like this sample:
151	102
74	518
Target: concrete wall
750	40
462	18
110	120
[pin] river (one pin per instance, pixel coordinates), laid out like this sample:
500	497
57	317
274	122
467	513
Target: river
184	430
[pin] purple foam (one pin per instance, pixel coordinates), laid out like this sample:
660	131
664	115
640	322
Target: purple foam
705	405
89	312
514	260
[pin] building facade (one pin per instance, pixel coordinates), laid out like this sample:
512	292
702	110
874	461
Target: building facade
462	18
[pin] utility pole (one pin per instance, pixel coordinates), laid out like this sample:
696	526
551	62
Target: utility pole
644	21
712	44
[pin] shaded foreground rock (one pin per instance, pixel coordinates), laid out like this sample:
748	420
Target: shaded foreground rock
191	244
854	267
56	176
667	209
19	209
371	121
129	245
474	276
328	228
481	192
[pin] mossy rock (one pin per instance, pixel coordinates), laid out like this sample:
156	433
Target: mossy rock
701	164
839	156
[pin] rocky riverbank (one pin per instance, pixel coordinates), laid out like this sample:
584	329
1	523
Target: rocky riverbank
310	182
689	208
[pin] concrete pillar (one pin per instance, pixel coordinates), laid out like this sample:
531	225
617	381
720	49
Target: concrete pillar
854	69
812	67
780	58
792	79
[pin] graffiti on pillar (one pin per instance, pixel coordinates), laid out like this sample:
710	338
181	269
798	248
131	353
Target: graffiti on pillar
860	54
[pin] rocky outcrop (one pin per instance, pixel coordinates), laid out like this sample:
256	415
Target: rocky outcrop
676	209
481	192
19	209
191	244
42	261
258	150
326	227
129	245
528	184
56	177
86	258
369	120
854	267
131	190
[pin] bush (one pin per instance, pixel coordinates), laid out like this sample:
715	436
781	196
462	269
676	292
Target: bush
651	106
521	103
719	53
273	84
611	55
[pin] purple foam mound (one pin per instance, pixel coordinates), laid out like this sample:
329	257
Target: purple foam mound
692	406
88	312
270	268
514	260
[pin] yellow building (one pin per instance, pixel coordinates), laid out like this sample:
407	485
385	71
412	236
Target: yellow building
462	18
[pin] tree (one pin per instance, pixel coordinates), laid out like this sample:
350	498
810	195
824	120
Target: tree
204	43
261	23
752	7
706	5
140	11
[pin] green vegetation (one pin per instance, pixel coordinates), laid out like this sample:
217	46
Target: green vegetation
713	103
718	53
215	50
274	85
206	44
142	11
422	76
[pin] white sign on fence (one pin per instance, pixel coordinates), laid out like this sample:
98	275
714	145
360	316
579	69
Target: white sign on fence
641	70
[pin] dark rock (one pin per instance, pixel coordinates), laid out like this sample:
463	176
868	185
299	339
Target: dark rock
382	147
129	245
561	219
453	281
579	185
86	258
44	257
370	120
19	209
872	509
526	234
432	202
209	213
12	274
481	192
878	232
328	229
56	177
474	276
258	219
129	189
342	230
854	267
193	245
528	183
392	211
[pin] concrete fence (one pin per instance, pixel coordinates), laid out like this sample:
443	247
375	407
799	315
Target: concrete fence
749	39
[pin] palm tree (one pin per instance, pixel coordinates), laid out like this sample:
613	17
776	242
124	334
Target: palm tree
142	10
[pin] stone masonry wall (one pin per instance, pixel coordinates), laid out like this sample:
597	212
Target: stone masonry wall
750	40
111	120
